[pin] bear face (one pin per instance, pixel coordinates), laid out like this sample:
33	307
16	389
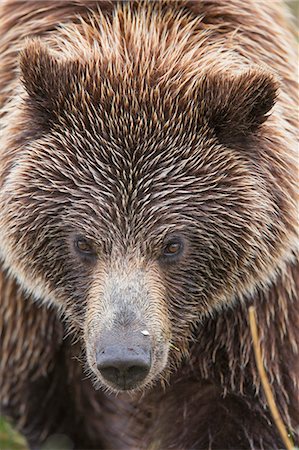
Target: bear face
136	207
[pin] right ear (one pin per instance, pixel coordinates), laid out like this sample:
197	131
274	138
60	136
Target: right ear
42	75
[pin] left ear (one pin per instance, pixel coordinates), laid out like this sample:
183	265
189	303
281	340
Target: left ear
235	105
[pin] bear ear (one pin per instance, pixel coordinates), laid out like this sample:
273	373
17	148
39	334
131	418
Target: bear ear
236	105
42	75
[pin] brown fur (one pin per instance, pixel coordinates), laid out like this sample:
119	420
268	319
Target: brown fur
130	123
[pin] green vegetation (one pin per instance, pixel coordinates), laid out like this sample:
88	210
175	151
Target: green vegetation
10	439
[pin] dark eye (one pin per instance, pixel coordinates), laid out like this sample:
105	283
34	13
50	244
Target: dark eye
84	247
172	248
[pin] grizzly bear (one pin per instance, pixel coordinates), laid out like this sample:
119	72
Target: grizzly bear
148	198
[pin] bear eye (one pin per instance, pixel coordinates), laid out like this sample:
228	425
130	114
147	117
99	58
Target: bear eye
172	248
84	247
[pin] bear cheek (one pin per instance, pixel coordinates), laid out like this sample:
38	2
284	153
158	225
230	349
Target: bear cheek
127	329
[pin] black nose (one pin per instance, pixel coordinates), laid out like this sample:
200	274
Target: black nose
122	366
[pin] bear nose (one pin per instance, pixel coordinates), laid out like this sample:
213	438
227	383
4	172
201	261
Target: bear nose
124	367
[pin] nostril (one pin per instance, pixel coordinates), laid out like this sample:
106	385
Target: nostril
111	374
137	371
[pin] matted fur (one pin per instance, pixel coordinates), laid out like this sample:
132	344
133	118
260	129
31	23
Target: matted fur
131	122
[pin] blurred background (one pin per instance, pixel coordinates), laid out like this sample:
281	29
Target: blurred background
294	5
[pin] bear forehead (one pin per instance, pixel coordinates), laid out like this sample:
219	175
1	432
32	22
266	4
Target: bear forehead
97	188
151	171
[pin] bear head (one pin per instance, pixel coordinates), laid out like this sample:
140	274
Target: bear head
139	201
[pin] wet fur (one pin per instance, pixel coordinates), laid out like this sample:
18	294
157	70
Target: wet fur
212	397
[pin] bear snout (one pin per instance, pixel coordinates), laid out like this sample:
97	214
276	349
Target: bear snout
124	361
